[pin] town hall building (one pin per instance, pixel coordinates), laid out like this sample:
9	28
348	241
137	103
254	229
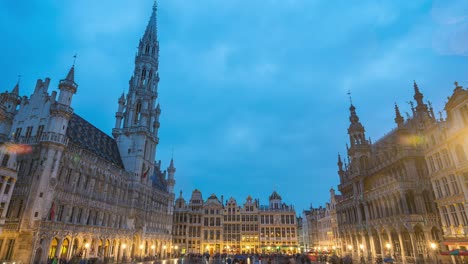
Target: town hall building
78	191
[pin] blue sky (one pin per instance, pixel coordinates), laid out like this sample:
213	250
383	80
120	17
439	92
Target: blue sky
253	93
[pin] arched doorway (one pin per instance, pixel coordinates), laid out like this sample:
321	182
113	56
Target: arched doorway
64	249
53	248
376	239
100	247
37	258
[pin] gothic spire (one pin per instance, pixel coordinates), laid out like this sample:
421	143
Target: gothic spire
71	74
340	163
171	167
398	118
152	27
15	90
418	96
353	116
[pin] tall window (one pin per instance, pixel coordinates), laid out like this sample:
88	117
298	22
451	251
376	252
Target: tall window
460	153
28	131
431	163
438	188
9	251
143	76
461	208
5	160
446	216
446	157
78	217
137	113
60	212
453	212
439	161
8	186
453	182
17	133
40	130
20	208
446	186
72	214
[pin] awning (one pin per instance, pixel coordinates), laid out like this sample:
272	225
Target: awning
455	252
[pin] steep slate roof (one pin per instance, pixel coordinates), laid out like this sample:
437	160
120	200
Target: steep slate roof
159	181
87	136
275	196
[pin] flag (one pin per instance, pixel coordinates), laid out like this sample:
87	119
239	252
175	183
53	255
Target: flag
145	173
52	211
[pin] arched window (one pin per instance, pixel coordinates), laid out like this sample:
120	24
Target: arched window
137	113
150	76
363	163
460	153
152	50
147	49
427	201
143	76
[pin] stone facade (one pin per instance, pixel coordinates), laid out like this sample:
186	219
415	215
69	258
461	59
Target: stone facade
216	227
327	225
320	230
387	205
310	227
80	192
447	145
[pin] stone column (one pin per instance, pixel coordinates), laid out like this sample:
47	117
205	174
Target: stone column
366	212
402	246
382	248
372	246
413	244
405	205
59	249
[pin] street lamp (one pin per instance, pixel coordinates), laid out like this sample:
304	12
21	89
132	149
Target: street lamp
86	249
388	246
434	247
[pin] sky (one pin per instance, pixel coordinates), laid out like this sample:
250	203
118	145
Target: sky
253	93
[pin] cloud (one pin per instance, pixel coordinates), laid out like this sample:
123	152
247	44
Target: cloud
451	27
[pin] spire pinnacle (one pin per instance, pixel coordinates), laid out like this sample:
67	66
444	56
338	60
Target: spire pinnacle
457	87
71	74
16	88
74	59
171	167
418	96
151	28
398	118
350	98
340	163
